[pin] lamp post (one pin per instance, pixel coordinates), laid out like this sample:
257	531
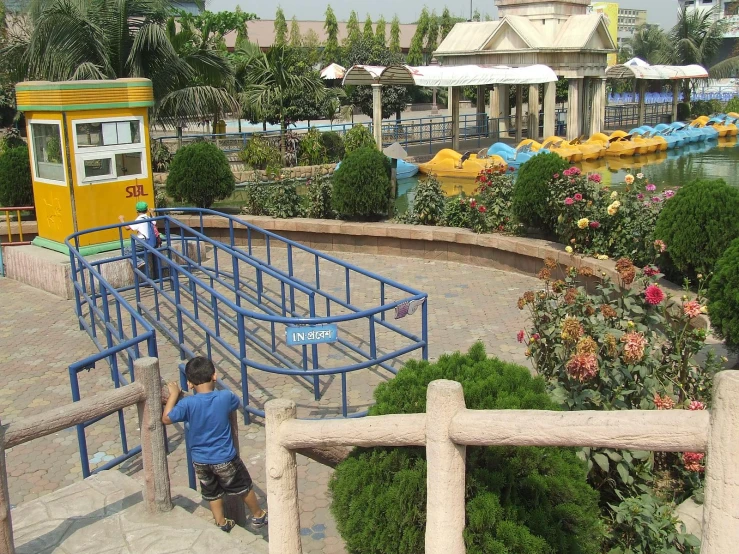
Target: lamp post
434	107
395	152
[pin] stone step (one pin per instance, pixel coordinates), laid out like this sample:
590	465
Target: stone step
106	514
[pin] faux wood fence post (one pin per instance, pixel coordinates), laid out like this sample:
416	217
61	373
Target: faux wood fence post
233	506
721	507
6	524
282	482
445	474
157	493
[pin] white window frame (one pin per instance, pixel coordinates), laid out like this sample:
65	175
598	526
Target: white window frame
32	151
109	152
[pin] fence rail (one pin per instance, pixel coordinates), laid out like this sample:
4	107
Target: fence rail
447	428
146	394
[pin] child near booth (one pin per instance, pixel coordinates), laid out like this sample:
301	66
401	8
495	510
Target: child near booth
145	230
218	466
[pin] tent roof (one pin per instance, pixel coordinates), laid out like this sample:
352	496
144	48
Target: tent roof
449	76
333	71
639	69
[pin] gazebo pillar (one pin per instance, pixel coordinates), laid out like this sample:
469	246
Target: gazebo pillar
642	92
377	114
598	109
574	108
454	111
533	124
675	99
494	111
480	108
519	113
504	103
550	109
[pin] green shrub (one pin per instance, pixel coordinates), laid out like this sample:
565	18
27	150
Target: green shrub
698	224
258	153
312	150
200	174
733	105
428	206
284	201
256	198
334	145
161	156
467	213
723	293
701	107
362	184
518	500
319	198
358	137
683	111
494	192
16	187
13	139
531	191
160	198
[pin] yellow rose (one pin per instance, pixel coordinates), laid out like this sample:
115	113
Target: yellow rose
614	195
583	223
612	210
616	204
568	249
602	257
629	179
704	309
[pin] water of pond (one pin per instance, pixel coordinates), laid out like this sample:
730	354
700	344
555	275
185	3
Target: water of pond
666	169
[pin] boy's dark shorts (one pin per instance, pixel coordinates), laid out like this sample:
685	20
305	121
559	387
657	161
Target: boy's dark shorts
218	479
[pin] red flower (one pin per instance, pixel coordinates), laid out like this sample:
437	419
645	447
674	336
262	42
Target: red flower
556	175
594	224
578	197
511	169
654	295
692	461
482	209
651	270
521	334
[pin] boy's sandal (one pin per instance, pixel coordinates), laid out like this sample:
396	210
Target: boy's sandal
259	521
226	527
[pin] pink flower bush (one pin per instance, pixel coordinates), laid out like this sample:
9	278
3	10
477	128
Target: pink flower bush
692	308
640	196
572	172
651	188
651	270
578	197
583	367
595	177
692	461
656	199
520	335
634	345
660	245
663	402
654	295
569	201
669	193
556	175
696	405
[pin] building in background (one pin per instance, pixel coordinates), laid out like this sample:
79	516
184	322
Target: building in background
624	21
611	12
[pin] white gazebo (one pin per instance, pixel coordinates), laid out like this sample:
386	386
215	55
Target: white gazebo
640	70
333	72
452	77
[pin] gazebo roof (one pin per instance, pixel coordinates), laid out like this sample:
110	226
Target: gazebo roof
448	76
639	69
332	72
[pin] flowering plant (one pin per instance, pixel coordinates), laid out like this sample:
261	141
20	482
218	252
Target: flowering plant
494	192
626	345
461	211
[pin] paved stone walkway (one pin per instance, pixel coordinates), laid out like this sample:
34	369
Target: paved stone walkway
39	338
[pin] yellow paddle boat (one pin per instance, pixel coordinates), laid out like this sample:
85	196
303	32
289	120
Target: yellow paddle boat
448	163
615	146
643	146
727	142
637	162
556	145
589	151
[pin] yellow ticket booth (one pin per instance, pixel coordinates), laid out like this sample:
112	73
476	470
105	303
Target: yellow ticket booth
89	149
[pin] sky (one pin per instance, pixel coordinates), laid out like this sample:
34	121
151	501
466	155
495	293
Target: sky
662	12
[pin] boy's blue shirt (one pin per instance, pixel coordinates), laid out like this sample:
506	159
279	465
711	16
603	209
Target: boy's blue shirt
210	428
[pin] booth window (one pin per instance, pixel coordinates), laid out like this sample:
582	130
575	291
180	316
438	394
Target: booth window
46	140
110	150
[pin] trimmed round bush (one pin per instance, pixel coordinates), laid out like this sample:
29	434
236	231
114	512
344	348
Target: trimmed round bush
16	187
357	137
530	200
361	185
200	174
698	224
259	153
334	145
723	295
518	500
683	111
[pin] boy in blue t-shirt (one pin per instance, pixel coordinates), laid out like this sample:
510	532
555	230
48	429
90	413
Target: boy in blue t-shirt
218	466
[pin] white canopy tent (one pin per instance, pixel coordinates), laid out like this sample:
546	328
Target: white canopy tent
333	72
640	70
453	77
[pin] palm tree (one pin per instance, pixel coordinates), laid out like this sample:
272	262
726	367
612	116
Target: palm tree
109	39
648	43
695	39
269	79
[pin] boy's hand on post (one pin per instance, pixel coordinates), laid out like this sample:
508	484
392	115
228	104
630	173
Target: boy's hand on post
174	389
121	218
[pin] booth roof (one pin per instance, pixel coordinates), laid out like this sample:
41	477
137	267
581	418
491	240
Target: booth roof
449	76
639	69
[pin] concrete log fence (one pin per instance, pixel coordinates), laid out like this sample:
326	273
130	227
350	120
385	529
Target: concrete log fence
448	427
145	393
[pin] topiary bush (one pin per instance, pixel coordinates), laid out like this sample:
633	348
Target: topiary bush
200	174
16	187
683	111
530	200
700	108
733	105
518	500
429	202
358	137
698	224
258	153
361	185
312	150
723	294
334	145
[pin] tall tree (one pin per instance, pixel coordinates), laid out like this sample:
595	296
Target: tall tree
648	43
395	36
110	39
476	15
296	40
696	39
280	27
311	45
432	36
446	23
416	53
331	50
353	33
369	32
380	32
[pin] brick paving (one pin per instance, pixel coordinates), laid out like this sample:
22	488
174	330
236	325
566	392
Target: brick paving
39	338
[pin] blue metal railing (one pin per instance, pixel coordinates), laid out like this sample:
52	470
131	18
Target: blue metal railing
627	116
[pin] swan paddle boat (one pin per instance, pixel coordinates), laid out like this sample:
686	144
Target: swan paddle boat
448	163
405	169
